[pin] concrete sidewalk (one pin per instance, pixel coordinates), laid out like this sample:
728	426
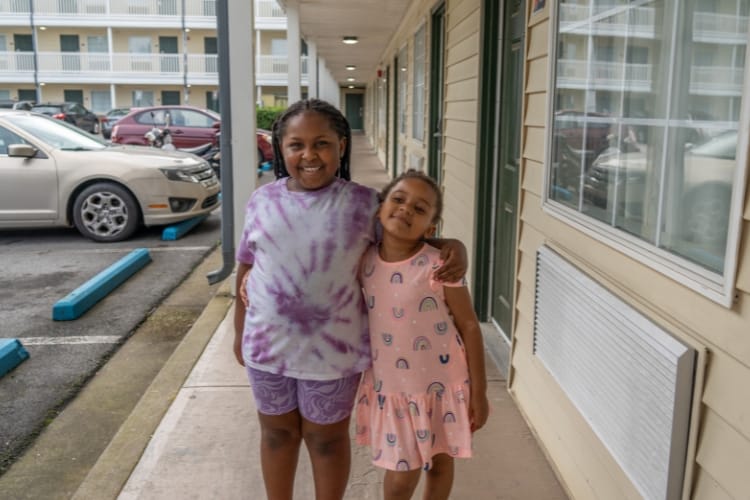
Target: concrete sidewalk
195	434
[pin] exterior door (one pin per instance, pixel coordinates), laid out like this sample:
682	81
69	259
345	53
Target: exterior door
73	96
355	110
507	161
24	48
211	48
70	46
169	60
437	81
170	97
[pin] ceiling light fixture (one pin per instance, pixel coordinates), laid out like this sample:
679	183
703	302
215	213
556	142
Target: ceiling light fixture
350	40
350	67
350	79
351	86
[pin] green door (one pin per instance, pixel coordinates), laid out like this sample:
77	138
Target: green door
73	96
170	97
437	81
507	162
24	47
211	49
355	110
70	46
169	60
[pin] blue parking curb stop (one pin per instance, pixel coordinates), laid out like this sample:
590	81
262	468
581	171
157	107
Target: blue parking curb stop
177	231
85	296
12	354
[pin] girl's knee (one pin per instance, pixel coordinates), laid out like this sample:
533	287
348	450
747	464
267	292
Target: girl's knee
327	442
400	484
277	438
442	464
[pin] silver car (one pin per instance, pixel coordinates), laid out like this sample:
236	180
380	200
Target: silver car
53	174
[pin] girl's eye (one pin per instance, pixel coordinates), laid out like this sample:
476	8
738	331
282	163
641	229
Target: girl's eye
397	199
420	210
322	144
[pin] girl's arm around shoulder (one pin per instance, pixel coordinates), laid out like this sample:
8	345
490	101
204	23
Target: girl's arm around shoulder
240	306
454	257
462	310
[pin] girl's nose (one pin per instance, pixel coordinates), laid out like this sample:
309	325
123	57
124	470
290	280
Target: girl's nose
308	153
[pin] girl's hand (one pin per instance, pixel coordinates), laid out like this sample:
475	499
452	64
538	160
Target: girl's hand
455	261
237	348
479	411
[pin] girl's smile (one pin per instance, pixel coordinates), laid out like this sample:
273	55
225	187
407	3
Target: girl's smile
312	151
408	212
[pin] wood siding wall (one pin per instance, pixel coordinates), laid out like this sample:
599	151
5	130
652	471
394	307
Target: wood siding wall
721	437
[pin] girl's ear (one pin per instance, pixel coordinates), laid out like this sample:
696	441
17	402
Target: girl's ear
342	148
430	232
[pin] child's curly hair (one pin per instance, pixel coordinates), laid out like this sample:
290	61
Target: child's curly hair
417	174
338	123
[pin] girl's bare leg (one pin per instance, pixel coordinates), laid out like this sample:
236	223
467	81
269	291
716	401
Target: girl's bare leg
330	455
439	478
400	485
280	441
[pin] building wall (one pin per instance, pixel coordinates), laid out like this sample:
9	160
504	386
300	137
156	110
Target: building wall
460	108
720	431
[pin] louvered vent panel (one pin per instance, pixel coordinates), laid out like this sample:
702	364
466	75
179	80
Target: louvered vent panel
630	379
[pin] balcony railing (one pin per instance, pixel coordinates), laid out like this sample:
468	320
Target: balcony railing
573	73
610	20
718	28
119	67
716	80
268	8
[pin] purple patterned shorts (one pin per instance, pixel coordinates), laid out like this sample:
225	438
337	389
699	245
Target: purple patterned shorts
319	401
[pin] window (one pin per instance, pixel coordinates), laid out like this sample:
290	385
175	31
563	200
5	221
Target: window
644	132
100	101
403	78
417	125
143	98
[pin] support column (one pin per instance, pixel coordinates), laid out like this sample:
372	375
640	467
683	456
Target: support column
294	50
312	69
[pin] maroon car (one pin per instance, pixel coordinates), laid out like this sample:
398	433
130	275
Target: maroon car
188	126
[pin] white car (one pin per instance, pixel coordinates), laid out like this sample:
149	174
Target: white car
53	174
706	186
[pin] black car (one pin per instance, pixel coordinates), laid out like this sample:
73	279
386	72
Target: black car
70	112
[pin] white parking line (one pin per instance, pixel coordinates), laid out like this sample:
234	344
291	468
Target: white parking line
150	249
93	339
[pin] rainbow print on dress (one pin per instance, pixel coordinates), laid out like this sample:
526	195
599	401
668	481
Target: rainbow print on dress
402	364
397	278
422	343
428	304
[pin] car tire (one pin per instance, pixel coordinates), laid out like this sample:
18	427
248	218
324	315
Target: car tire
95	131
106	212
706	215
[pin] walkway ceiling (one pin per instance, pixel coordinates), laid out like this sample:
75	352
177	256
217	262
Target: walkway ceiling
326	22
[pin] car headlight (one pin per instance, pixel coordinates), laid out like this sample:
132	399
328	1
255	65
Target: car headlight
178	174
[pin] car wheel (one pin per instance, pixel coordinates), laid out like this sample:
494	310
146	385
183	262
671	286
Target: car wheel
95	131
706	212
106	212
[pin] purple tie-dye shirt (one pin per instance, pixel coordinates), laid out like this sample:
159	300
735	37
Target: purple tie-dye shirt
306	317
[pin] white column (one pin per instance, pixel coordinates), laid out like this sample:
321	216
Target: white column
242	74
112	93
294	49
312	69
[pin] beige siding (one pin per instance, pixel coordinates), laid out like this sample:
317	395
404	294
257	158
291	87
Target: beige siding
723	433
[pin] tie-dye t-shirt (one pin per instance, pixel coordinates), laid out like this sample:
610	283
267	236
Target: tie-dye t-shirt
306	318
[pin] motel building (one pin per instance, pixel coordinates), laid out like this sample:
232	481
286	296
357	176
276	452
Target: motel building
594	160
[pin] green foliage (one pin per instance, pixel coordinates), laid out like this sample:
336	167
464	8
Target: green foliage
266	115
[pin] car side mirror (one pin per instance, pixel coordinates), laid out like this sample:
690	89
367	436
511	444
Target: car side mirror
21	150
216	125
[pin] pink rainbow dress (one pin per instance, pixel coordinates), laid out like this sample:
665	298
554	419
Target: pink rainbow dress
413	403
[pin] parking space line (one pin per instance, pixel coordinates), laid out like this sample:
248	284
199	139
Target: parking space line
202	248
72	340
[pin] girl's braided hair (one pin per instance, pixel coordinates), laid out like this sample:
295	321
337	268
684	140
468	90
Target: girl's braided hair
416	174
337	121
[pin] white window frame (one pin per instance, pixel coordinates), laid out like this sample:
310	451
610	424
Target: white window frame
716	287
419	84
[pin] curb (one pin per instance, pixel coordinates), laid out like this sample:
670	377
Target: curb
113	468
12	354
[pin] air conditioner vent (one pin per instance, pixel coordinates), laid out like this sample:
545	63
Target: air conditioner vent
630	380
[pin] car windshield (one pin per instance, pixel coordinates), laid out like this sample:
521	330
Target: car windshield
57	134
47	110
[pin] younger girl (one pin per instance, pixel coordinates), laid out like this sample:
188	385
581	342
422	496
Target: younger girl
426	392
302	334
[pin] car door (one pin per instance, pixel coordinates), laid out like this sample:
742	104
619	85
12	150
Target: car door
28	186
190	127
83	119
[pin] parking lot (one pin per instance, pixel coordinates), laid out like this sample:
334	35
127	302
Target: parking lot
42	266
